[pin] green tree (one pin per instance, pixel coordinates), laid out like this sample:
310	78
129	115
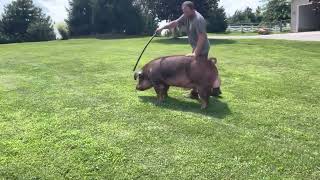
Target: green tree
217	21
23	21
40	31
170	10
258	14
63	31
277	11
246	16
128	17
104	16
149	17
316	5
79	18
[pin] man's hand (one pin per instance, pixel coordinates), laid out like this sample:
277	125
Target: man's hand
170	25
191	55
159	29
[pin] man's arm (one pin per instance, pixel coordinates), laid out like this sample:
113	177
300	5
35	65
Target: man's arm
170	25
173	24
200	44
202	36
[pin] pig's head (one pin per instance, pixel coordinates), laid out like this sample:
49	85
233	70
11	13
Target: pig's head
143	81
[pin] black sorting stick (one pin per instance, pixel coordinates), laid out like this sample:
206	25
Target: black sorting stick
135	67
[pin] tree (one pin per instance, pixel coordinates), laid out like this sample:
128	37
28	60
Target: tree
246	16
23	21
258	15
79	16
316	5
63	31
170	10
3	37
277	11
217	21
40	31
149	17
128	17
104	16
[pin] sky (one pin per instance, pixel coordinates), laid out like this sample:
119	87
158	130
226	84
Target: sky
57	8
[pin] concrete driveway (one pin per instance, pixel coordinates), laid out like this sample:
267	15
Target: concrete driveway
304	36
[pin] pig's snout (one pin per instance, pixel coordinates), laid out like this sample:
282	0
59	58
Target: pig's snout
144	85
138	88
141	87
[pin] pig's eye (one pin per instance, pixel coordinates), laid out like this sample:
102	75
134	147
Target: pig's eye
140	76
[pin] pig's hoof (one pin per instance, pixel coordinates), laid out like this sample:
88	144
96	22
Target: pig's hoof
159	102
203	107
192	95
216	92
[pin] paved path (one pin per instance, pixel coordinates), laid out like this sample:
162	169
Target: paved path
304	36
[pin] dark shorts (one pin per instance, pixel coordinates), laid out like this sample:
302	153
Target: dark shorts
203	57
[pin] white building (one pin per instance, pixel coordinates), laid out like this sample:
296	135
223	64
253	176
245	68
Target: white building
303	18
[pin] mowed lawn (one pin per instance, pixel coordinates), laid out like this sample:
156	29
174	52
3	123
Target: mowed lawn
69	109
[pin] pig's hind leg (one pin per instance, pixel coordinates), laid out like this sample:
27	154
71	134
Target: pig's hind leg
165	90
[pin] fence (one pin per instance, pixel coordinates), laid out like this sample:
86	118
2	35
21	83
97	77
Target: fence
283	26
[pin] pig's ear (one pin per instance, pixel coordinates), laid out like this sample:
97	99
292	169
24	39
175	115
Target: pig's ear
140	75
137	75
214	60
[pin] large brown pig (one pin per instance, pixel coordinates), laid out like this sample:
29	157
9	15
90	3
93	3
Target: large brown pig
179	71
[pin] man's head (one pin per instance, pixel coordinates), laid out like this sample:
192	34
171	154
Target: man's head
188	8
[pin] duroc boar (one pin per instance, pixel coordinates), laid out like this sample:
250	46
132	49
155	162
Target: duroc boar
179	71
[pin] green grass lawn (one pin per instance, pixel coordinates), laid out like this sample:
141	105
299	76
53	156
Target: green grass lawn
69	109
241	34
234	34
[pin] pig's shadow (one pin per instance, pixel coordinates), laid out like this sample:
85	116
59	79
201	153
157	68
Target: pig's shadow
217	108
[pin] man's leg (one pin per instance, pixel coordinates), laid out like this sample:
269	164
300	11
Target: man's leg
216	91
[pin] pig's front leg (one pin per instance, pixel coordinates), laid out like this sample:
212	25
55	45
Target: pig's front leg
161	91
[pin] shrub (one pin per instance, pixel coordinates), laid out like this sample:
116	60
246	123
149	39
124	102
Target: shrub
217	21
63	31
40	31
134	24
22	21
4	39
150	23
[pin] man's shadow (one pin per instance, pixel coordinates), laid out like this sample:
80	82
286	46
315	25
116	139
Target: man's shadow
217	108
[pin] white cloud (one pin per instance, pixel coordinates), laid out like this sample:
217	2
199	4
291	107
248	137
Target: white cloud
57	8
54	8
232	5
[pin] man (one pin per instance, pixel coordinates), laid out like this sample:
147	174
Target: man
196	29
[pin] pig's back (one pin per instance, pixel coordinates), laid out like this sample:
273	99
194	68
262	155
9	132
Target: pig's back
175	70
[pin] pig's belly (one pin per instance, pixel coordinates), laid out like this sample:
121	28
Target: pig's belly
180	81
